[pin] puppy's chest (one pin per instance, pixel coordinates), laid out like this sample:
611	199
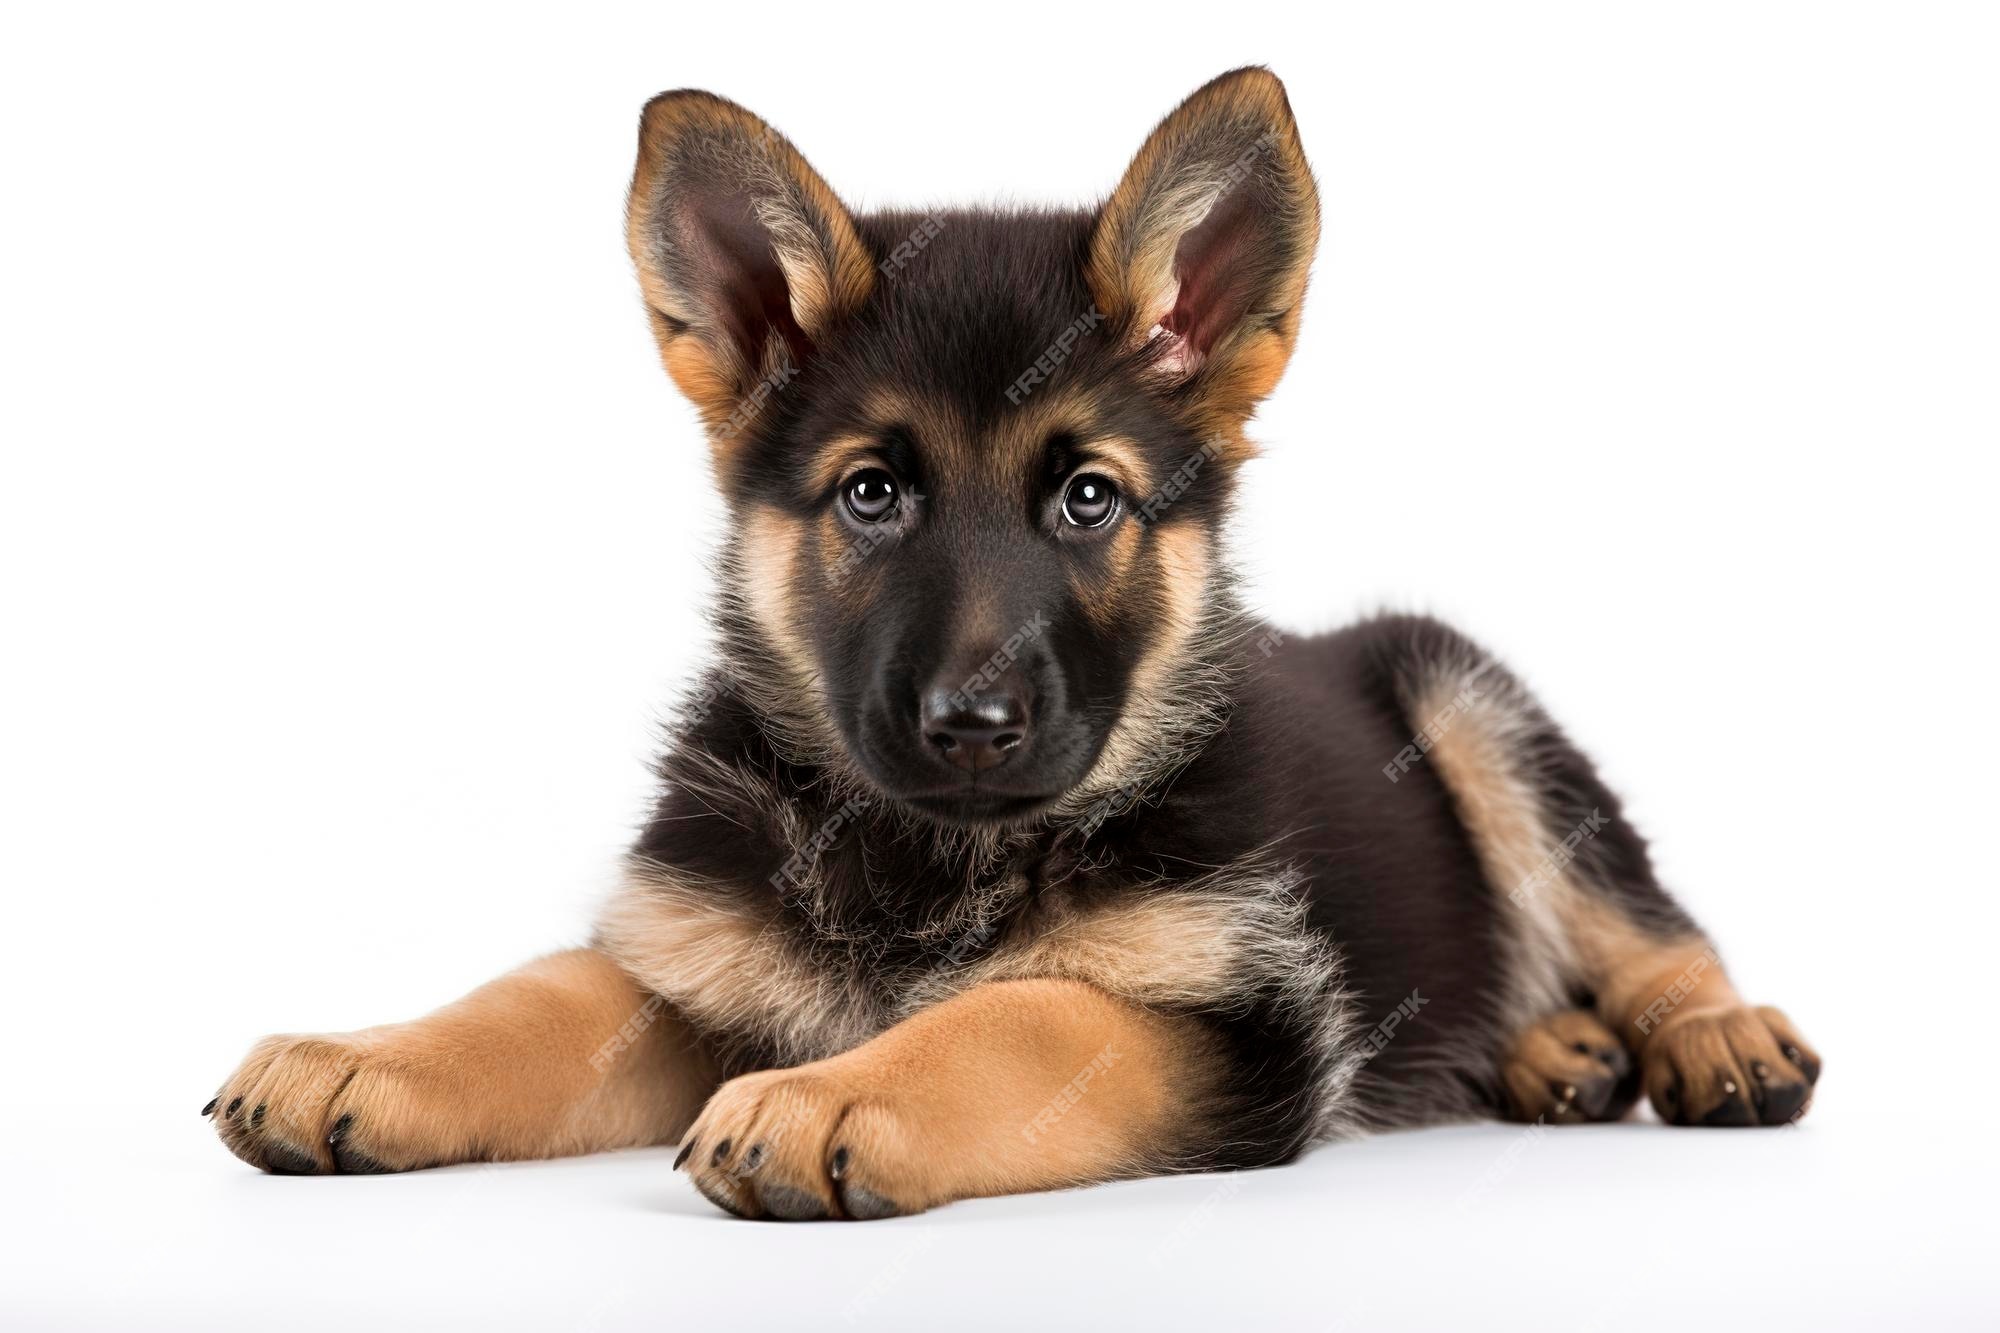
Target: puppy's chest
784	980
771	986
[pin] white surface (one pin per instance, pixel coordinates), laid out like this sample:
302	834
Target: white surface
1841	1224
350	541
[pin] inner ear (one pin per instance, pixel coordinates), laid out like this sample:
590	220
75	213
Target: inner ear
753	299
1214	276
748	260
1202	251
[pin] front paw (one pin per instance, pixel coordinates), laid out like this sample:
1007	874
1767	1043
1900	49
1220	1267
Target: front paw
805	1145
324	1105
1730	1067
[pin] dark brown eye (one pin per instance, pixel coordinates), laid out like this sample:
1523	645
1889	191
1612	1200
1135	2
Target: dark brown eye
1090	501
871	495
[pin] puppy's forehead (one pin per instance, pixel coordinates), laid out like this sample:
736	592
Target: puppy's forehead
987	296
981	345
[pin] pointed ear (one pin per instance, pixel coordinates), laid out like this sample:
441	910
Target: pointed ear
1203	249
745	256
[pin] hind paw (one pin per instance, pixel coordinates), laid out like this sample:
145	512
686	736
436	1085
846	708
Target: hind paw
1568	1069
1735	1066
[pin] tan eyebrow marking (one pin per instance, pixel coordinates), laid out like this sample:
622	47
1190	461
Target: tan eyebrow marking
1118	456
838	457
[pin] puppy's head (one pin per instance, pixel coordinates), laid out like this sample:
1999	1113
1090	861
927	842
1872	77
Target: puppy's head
975	461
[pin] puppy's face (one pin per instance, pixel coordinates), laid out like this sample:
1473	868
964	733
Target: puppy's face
976	462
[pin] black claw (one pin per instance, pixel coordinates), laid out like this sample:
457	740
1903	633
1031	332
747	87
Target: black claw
1670	1102
680	1158
838	1166
753	1159
210	1108
791	1205
229	1112
721	1151
257	1116
282	1159
340	1128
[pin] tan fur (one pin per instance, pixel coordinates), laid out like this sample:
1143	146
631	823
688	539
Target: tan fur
838	458
1181	950
734	970
1175	180
828	271
1157	703
1567	1068
1703	1057
1120	459
770	554
565	1055
1009	1087
731	966
1668	1000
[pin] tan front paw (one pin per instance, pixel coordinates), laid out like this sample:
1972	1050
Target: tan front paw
1733	1066
321	1105
806	1144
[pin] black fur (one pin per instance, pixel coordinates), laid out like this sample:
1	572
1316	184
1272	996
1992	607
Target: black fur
916	873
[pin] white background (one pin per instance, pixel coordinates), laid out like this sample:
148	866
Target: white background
353	542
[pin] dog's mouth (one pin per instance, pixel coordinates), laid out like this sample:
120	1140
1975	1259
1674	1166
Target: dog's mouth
1026	783
976	806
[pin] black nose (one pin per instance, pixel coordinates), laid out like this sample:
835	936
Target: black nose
975	732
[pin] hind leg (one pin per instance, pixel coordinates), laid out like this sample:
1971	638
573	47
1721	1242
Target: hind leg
1582	912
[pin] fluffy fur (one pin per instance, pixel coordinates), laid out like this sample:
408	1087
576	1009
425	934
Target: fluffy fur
1000	849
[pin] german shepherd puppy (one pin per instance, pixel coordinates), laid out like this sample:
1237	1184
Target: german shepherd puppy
1002	850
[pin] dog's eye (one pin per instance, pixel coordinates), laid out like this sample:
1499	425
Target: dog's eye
871	494
1090	501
